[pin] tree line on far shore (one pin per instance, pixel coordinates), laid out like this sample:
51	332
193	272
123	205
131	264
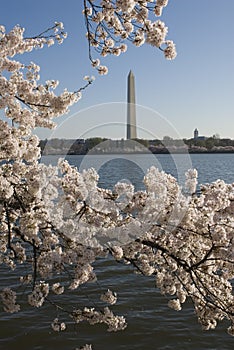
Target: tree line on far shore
166	145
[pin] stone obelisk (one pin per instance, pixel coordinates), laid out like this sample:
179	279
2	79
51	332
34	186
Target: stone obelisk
131	108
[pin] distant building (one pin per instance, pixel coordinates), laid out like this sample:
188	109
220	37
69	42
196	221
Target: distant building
195	134
197	137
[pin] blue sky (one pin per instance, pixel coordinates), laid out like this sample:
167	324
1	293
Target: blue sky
193	91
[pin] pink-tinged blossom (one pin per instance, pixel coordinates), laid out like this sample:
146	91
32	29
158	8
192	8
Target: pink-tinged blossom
174	304
109	297
9	301
117	252
58	326
158	10
57	288
162	3
38	295
102	70
170	51
191	180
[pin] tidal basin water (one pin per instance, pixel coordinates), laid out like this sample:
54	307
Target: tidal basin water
151	324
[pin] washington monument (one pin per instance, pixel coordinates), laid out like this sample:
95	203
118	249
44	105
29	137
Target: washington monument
131	108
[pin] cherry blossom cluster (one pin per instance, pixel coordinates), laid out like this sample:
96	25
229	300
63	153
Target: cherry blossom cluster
92	316
110	24
109	297
27	102
186	242
9	301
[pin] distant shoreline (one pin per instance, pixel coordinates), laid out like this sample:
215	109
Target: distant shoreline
98	145
135	152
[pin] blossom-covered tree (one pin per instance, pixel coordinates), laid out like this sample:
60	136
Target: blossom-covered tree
57	221
110	24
